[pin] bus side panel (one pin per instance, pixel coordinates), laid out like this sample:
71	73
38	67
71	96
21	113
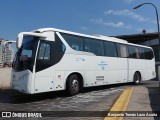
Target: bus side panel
95	70
122	70
112	70
89	78
69	64
44	80
104	70
94	67
150	69
136	65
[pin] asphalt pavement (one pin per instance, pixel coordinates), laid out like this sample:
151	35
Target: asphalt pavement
91	101
139	102
144	98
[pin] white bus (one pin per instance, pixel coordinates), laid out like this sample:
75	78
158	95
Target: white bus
50	59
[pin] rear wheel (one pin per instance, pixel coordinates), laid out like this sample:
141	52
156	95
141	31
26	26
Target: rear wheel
137	78
73	86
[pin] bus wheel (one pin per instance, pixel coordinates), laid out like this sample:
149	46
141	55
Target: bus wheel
137	78
73	85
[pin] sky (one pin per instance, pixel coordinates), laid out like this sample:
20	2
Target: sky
104	17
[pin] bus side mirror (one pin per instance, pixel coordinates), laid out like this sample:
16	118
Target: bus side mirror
19	40
22	34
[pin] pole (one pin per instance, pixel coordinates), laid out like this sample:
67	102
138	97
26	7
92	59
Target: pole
157	18
158	31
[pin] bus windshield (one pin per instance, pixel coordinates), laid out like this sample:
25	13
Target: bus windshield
24	58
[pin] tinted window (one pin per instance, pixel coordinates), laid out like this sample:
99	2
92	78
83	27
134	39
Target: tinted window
138	52
110	49
74	42
148	53
25	56
94	46
44	58
122	50
142	52
44	52
59	49
134	52
49	53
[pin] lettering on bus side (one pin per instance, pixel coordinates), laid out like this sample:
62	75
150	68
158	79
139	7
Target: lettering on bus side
103	65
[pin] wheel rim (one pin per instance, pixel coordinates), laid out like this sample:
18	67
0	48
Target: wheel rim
75	85
137	79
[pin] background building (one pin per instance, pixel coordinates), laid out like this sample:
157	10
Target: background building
147	39
6	53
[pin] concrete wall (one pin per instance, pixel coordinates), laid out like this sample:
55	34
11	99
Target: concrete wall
5	75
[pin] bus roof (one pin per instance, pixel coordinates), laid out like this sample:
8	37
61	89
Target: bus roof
96	36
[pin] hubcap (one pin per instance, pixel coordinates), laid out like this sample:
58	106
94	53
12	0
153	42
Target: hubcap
75	85
137	79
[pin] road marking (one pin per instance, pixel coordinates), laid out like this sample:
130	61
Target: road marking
121	104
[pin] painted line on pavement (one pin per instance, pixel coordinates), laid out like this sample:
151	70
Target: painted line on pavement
121	104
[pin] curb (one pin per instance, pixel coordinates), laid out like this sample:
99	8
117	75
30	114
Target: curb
121	104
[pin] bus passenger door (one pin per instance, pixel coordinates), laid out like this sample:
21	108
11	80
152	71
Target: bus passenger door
43	70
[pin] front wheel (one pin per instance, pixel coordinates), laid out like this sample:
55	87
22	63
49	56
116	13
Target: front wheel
73	85
137	78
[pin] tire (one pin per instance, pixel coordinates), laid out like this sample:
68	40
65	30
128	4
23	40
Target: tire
73	86
137	78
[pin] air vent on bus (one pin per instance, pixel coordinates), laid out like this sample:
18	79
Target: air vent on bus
99	77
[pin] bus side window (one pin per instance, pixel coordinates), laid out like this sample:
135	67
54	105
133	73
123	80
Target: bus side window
110	49
75	42
44	52
148	53
142	51
44	58
94	46
58	50
137	53
122	50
